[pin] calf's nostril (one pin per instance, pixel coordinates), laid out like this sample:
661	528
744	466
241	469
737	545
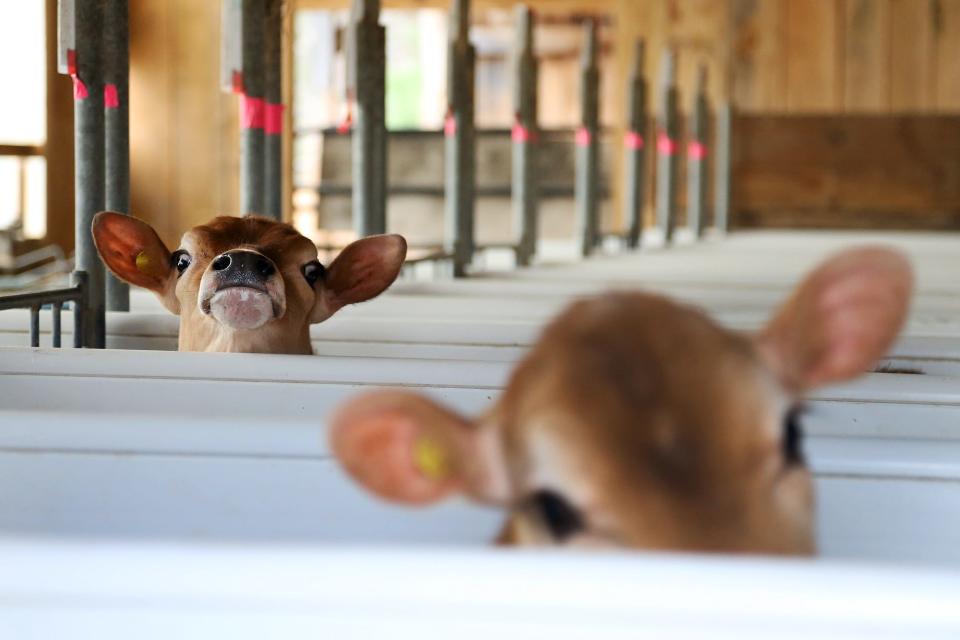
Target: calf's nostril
221	262
265	267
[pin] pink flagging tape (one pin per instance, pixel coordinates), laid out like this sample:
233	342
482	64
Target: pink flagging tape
633	140
583	137
251	112
666	145
450	125
696	150
236	80
79	88
347	124
521	134
274	120
111	100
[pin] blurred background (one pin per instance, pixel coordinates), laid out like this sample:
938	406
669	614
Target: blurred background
848	112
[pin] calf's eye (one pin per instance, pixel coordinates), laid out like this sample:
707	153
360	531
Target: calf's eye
313	271
793	437
180	260
561	518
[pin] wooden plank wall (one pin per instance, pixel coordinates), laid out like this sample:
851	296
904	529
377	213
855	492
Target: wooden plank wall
184	133
845	56
847	171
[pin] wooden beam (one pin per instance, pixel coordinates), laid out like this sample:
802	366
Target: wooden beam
847	171
541	6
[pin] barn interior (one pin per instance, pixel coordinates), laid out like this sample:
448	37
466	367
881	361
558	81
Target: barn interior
532	155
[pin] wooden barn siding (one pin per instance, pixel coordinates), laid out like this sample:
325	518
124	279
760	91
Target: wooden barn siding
847	171
846	56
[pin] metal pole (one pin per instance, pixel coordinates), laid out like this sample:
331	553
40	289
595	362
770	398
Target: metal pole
525	185
460	183
635	149
722	168
368	76
587	158
116	67
252	109
697	158
667	150
80	280
273	116
80	24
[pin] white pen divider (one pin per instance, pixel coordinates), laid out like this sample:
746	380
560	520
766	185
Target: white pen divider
116	591
927	348
233	445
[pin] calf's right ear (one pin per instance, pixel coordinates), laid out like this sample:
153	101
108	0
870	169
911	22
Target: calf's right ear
406	448
134	252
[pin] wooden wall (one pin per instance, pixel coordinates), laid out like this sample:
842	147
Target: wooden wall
810	56
184	133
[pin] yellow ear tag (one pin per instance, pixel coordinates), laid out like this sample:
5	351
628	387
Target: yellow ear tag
143	261
430	459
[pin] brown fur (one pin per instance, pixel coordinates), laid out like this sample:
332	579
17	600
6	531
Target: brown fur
660	429
362	271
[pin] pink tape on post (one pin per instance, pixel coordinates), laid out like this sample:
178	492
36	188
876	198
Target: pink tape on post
236	80
696	150
274	120
79	89
111	100
666	146
633	140
450	125
583	137
521	134
347	124
251	112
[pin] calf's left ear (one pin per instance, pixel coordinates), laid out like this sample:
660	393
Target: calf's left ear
840	320
362	271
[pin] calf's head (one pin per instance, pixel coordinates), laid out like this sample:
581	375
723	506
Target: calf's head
246	284
636	421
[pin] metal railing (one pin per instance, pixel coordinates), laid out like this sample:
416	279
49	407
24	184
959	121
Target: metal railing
78	294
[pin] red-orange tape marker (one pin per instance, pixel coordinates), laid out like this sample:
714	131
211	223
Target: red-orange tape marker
665	144
79	89
274	120
696	150
111	100
347	124
633	140
521	134
251	112
450	125
583	137
236	80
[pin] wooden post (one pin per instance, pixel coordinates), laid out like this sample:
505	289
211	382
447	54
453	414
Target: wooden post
697	156
525	185
587	159
116	46
635	149
366	84
459	130
667	149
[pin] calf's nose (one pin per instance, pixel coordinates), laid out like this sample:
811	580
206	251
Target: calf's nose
241	266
